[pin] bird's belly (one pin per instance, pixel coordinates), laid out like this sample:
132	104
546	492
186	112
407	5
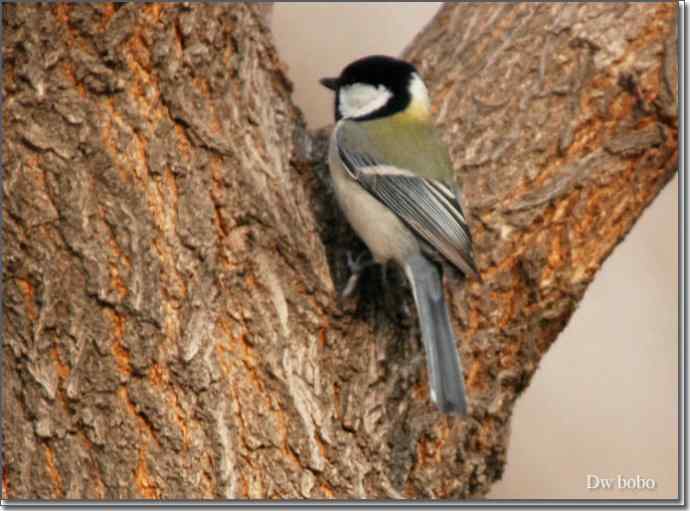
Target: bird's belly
382	231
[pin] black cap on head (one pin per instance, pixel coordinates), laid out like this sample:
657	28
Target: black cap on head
376	70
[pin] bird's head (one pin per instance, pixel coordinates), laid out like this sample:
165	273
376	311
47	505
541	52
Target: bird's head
378	86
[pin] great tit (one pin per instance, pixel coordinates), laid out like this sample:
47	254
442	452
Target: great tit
394	181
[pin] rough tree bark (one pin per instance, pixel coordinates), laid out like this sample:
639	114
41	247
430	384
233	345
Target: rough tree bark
171	328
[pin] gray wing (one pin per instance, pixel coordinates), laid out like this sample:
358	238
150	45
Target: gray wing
429	207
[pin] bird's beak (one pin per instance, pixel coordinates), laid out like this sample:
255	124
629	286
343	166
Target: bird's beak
329	83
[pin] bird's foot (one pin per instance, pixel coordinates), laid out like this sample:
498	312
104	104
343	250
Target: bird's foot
356	267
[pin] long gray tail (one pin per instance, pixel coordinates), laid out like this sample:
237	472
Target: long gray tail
443	362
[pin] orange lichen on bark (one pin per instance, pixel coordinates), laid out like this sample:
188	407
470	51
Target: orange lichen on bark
555	256
250	281
32	161
595	127
245	486
144	87
62	12
54	474
422	452
184	146
156	376
117	283
508	357
506	308
156	9
487	432
429	453
206	482
29	300
420	391
107	11
70	73
321	445
442	434
215	126
144	425
658	24
171	189
62	369
475	377
285	448
120	351
179	417
327	490
201	85
323	337
142	478
96	480
5	481
139	58
159	377
586	250
109	118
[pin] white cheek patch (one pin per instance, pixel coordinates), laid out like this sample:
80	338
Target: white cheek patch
360	99
419	93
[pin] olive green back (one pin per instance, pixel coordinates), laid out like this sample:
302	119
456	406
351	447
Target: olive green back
409	144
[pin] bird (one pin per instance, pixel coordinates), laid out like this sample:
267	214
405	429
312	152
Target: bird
394	182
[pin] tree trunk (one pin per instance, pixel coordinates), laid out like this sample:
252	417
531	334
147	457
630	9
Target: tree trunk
171	326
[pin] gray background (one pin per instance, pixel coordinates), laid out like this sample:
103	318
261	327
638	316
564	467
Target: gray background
604	400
